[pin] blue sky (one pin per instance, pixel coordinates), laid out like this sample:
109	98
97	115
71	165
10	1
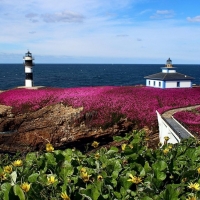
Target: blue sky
100	31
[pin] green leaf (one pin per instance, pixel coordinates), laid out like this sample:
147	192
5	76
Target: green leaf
123	192
133	194
105	196
136	140
19	192
181	150
97	164
95	193
91	192
157	182
5	187
113	165
114	148
118	195
42	178
68	154
66	169
172	192
146	198
147	168
193	154
115	174
111	152
190	152
118	138
50	159
117	166
33	177
142	173
124	183
30	157
159	165
160	175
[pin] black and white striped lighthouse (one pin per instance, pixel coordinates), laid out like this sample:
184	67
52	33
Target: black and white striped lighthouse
28	63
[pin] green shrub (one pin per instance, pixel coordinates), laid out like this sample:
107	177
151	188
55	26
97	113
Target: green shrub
133	171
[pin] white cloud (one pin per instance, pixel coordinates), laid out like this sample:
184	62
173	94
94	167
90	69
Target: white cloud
31	15
122	35
194	19
163	14
32	32
65	16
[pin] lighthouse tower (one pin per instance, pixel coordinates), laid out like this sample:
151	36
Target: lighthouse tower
28	63
169	63
169	67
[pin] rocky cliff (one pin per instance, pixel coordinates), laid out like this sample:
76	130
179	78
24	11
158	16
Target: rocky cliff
58	124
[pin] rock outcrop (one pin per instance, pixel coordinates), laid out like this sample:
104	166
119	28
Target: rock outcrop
58	124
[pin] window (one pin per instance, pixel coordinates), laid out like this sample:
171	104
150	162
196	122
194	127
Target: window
178	84
149	82
159	84
154	83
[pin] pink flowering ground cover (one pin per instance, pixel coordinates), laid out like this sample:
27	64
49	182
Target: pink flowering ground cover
108	103
190	119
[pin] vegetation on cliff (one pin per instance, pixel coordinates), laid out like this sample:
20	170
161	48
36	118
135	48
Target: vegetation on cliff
132	171
106	105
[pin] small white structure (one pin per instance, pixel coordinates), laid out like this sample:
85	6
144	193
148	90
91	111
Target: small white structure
28	63
166	131
169	78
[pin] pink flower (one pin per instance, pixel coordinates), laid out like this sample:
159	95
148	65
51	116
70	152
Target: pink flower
106	105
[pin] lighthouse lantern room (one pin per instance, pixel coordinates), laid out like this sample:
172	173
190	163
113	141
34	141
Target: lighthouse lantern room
28	63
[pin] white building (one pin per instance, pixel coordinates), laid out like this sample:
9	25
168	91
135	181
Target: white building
169	78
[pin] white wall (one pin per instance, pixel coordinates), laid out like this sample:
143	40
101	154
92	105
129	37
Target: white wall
28	58
168	84
28	69
165	130
185	84
173	84
28	83
156	83
168	70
